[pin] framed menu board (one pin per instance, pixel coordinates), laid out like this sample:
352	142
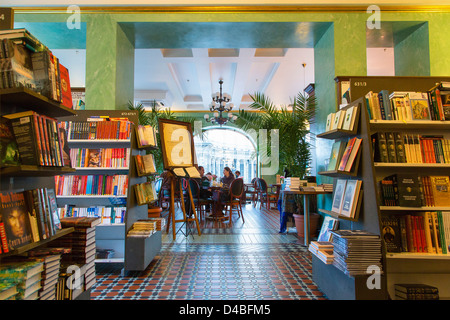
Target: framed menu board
177	144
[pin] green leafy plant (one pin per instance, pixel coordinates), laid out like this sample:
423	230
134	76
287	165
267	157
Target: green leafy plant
293	123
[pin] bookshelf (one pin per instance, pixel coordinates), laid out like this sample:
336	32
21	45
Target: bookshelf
398	267
28	177
135	253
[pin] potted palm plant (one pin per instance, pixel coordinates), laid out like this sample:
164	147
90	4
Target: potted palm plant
293	123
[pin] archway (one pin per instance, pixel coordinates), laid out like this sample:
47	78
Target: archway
227	146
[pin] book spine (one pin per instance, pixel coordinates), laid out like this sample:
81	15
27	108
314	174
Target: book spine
391	147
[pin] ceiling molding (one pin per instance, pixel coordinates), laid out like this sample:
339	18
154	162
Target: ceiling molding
235	9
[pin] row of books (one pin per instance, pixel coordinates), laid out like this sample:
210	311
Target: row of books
347	195
345	119
354	251
412	190
145	193
27	217
107	214
426	232
406	106
398	147
27	63
146	136
145	164
38	139
91	185
415	291
99	128
344	154
100	158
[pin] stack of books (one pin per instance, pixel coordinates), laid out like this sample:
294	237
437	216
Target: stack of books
293	183
52	264
355	251
82	243
328	187
8	290
25	274
322	250
143	228
160	223
415	291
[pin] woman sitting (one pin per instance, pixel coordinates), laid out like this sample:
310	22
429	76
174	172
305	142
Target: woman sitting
228	177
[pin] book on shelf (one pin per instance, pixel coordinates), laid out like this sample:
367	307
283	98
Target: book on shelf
107	214
9	151
417	291
419	232
338	196
15	219
100	128
37	138
91	185
338	120
100	158
350	154
66	93
145	164
350	118
145	193
143	228
351	198
412	190
328	224
8	290
337	150
146	136
330	121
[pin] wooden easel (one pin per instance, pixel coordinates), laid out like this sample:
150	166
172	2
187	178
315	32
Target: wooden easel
172	207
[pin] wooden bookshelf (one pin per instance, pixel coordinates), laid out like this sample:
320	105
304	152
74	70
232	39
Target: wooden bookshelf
33	171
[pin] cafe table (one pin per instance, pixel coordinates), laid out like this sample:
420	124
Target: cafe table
216	212
306	195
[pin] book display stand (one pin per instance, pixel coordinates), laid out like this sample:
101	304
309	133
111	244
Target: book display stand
401	267
178	157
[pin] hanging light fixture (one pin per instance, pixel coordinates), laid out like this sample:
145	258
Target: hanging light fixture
218	106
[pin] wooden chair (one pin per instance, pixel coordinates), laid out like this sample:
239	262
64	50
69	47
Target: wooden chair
199	203
265	194
234	201
253	190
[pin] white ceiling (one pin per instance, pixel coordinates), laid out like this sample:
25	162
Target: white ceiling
184	79
186	83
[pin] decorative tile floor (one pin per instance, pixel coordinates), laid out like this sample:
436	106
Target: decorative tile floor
196	269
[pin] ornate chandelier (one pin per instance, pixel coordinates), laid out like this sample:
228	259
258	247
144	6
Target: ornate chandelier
219	105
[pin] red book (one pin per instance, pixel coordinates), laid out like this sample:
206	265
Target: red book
346	155
66	93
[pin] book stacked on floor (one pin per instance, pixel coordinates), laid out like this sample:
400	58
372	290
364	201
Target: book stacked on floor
74	279
408	105
415	291
322	250
83	247
412	190
420	232
355	251
25	274
36	214
143	228
52	264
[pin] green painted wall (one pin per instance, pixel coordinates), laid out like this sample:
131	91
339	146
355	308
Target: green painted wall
340	49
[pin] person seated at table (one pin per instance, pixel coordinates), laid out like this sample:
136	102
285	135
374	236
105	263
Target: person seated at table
237	174
204	183
227	178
